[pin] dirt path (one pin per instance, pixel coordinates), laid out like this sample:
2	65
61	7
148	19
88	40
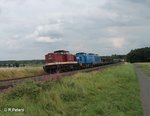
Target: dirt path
144	81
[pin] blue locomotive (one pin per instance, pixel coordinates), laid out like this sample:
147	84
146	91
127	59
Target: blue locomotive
88	60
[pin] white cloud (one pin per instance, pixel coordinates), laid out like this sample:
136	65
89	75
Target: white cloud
47	39
47	33
118	42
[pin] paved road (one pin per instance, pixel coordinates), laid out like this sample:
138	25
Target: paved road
145	89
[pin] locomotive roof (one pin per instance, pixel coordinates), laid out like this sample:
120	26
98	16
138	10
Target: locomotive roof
92	54
80	53
60	51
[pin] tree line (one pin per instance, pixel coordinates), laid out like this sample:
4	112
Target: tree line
21	63
139	55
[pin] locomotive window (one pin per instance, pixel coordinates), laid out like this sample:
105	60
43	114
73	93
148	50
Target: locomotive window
80	58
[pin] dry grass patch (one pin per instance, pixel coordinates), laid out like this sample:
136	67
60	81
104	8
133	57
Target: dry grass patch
10	73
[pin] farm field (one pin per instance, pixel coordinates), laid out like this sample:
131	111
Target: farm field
34	65
10	73
146	68
112	92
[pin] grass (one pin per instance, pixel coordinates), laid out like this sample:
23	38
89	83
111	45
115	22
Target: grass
10	73
112	92
146	68
34	65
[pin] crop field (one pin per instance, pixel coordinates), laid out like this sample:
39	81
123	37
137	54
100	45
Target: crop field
10	73
112	92
34	65
146	68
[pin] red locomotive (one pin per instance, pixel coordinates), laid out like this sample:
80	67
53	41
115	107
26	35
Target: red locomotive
60	60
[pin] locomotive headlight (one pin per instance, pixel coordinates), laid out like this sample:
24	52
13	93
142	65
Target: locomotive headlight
77	57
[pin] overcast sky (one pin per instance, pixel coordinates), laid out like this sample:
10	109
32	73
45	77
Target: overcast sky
31	28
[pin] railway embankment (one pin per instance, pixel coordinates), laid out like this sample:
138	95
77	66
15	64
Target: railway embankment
111	92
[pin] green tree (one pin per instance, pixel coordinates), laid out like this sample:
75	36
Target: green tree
139	55
16	64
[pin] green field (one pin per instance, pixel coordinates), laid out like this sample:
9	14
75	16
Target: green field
112	92
146	68
10	73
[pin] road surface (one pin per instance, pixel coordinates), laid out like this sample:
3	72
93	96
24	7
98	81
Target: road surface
144	81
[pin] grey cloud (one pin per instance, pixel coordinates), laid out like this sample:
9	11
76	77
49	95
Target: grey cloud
0	11
128	13
90	26
51	34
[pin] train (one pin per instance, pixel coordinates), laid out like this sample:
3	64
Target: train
63	60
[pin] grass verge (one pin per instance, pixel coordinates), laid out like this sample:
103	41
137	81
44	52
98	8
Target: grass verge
112	92
10	73
146	68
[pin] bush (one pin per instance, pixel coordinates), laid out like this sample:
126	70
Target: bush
29	89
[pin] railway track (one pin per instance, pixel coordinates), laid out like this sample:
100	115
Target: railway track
5	84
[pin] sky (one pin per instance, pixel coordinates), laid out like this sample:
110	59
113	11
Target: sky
29	29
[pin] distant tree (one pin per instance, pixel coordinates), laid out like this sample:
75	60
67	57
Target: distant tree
116	56
25	62
139	55
9	65
16	64
4	65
